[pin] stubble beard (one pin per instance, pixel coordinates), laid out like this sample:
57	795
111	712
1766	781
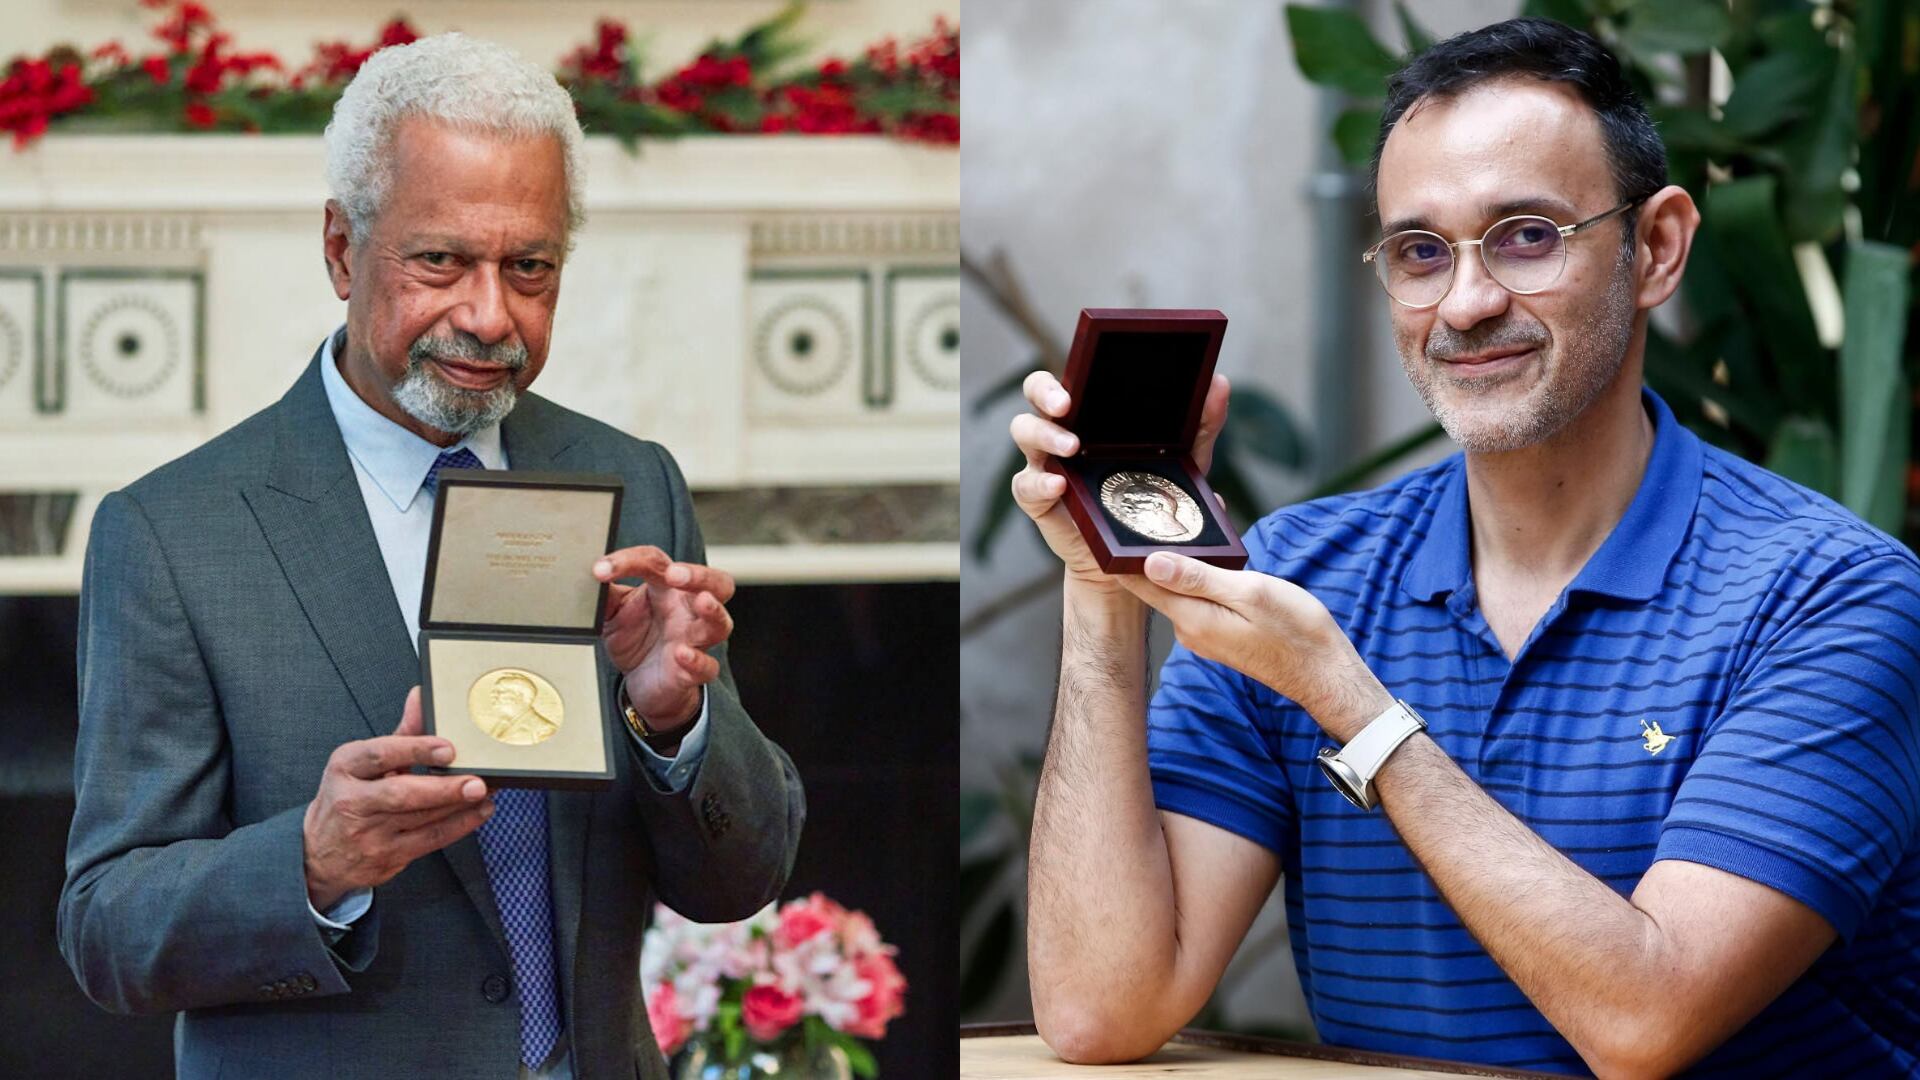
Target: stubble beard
427	397
1570	374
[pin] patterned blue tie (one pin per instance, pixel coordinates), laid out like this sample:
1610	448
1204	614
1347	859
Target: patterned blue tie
514	844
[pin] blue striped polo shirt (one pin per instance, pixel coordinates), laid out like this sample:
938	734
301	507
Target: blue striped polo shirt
1732	679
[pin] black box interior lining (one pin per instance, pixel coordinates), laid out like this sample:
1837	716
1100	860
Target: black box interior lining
1093	471
1140	388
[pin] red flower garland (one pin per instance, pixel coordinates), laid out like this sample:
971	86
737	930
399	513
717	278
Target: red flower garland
913	93
338	62
607	59
832	104
34	92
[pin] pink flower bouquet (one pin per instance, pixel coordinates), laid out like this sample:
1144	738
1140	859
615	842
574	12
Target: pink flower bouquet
808	975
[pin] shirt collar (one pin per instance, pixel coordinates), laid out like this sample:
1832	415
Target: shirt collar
396	459
1631	563
1442	560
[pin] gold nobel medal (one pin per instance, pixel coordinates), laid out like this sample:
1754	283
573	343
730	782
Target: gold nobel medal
515	706
1152	505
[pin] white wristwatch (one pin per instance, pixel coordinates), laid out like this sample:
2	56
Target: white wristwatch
1353	767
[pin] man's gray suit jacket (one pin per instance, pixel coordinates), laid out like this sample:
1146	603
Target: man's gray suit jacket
236	625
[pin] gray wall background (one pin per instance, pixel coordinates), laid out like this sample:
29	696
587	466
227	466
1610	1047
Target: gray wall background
1147	153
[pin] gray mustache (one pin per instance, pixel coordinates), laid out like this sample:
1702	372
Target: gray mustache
464	346
1445	343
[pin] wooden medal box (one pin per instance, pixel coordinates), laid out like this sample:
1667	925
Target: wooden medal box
1138	378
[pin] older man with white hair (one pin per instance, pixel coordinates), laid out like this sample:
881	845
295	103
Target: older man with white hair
250	849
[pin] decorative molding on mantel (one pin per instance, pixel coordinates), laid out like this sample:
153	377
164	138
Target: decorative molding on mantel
875	514
931	236
104	233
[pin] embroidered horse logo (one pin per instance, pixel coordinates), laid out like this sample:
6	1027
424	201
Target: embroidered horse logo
1657	740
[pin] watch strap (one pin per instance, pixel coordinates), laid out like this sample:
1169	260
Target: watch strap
1369	750
634	720
1351	769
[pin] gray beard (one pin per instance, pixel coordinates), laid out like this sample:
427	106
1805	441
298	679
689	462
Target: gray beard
437	403
1588	364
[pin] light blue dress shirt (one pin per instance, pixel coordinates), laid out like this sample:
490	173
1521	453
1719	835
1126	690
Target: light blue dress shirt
391	464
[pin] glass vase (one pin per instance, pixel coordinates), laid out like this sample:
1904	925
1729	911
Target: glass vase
788	1062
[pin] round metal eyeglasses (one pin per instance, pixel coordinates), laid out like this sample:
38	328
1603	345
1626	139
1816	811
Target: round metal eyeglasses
1523	254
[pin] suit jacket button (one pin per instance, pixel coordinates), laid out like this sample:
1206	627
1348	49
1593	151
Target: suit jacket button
307	983
494	988
266	989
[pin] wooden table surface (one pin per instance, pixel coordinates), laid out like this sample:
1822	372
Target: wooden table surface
989	1054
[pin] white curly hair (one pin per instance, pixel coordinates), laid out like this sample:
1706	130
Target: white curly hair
454	79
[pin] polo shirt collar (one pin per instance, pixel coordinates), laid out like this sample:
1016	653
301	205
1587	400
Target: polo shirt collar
1442	561
396	459
1631	563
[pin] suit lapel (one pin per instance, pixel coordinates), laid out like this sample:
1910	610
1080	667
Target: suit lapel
535	435
536	438
314	518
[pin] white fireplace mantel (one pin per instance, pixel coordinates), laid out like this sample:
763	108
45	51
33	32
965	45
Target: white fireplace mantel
725	174
781	312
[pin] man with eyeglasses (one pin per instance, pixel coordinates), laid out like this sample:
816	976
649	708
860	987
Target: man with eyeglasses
1590	748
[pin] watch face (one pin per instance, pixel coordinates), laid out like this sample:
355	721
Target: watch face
1340	774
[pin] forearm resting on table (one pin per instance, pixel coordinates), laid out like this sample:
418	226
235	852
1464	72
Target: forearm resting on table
1640	987
1102	935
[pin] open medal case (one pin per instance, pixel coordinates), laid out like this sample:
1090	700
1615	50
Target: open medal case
1138	378
512	670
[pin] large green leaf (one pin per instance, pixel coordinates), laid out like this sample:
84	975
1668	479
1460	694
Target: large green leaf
774	42
1263	427
1684	373
1773	91
1783	27
1335	48
1354	132
1818	151
1688	130
1745	225
1707	286
1803	452
1682	26
1572	12
1875	406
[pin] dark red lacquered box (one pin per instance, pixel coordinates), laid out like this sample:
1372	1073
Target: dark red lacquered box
1138	378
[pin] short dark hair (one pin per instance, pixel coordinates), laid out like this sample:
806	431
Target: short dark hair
1553	52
